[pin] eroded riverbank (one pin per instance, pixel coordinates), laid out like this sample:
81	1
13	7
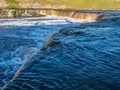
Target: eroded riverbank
31	12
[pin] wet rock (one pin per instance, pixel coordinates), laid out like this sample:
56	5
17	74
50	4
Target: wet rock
77	32
70	32
43	48
99	17
53	40
52	43
66	32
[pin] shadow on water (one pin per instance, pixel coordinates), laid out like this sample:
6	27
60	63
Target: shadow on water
82	61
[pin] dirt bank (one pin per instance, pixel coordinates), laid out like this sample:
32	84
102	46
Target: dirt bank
16	13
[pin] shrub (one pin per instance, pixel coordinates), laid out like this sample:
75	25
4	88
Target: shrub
12	1
12	6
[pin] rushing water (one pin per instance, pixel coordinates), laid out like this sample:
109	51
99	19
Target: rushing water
21	37
87	57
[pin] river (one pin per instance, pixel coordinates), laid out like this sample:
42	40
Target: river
19	38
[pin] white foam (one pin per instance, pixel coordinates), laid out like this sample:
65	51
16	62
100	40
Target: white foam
25	21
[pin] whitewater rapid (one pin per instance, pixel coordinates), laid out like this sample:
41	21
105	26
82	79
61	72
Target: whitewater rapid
21	37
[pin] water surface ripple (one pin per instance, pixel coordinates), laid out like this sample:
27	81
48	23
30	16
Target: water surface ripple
87	57
21	37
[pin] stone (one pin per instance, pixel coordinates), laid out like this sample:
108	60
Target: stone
71	32
66	32
52	43
77	32
53	40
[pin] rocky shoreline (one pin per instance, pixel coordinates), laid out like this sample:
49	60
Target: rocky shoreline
17	13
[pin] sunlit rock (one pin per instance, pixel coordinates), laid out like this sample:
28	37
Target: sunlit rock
17	13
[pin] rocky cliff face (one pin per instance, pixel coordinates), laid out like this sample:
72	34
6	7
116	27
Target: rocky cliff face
16	13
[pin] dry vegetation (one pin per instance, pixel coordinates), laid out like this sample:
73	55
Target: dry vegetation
69	4
3	3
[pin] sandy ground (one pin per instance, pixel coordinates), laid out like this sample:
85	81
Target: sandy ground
3	3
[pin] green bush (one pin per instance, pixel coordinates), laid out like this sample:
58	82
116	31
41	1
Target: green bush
12	1
12	6
74	4
93	4
85	4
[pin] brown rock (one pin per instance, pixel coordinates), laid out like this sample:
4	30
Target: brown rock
53	40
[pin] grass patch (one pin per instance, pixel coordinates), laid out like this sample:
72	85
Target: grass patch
86	4
12	6
12	1
77	4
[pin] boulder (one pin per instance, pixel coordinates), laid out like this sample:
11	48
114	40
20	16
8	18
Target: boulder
53	40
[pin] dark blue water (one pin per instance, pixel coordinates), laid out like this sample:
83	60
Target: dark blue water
87	57
20	38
